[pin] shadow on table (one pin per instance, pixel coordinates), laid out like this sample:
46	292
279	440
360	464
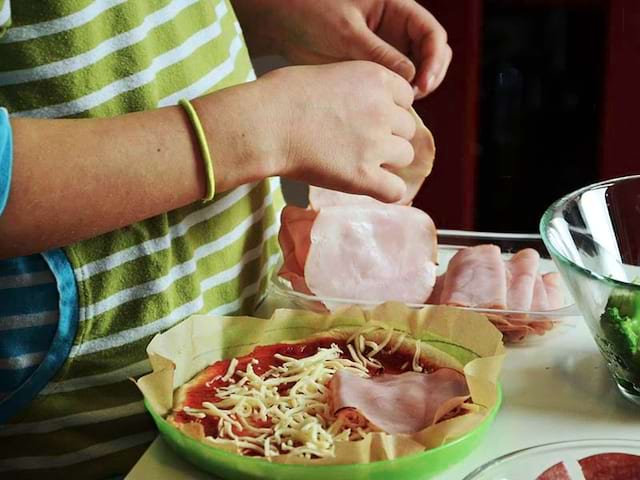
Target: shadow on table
578	385
589	375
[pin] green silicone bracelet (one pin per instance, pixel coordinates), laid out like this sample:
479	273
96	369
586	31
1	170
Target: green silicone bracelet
204	148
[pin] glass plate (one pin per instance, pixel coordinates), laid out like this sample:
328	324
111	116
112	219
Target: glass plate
610	459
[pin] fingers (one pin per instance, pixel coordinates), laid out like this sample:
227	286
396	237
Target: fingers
401	90
402	123
438	79
370	46
387	187
397	153
426	82
431	52
384	184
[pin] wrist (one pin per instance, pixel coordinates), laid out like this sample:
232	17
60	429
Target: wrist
240	133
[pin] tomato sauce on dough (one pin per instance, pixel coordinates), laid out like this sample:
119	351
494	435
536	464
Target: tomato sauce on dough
211	379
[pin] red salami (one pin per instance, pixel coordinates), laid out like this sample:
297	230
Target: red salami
557	472
603	466
611	466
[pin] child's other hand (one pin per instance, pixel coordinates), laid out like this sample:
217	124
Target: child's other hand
342	124
399	34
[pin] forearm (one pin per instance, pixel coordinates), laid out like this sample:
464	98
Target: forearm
336	126
75	179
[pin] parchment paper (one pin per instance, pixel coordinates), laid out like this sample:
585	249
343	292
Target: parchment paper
186	349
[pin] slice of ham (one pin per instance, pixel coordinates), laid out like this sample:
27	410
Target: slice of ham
553	286
424	150
516	328
413	175
515	331
476	277
404	403
540	301
522	270
544	299
295	239
372	254
436	293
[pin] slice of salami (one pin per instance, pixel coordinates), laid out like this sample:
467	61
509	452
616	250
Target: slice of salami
557	472
611	466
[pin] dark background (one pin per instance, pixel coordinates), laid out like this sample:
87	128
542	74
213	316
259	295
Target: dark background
541	98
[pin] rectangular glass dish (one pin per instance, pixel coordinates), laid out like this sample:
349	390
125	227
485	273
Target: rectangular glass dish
280	294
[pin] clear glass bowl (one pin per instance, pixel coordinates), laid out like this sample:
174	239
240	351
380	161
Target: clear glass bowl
531	463
593	235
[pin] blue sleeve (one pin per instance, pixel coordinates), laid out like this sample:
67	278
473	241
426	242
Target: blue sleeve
6	157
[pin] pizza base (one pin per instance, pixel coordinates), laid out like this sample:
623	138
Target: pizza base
399	342
428	354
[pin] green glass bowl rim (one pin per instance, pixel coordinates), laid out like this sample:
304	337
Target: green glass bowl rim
557	206
328	468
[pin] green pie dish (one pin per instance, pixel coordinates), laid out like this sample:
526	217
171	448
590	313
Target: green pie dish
226	465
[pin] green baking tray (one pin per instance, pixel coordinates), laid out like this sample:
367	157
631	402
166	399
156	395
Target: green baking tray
225	465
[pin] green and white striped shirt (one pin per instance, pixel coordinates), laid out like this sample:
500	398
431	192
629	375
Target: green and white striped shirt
83	418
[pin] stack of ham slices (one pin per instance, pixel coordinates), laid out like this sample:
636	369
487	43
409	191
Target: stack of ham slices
355	248
377	253
479	277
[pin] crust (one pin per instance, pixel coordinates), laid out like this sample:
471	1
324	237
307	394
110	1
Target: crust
192	429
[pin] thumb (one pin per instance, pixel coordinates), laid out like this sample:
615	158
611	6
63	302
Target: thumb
369	46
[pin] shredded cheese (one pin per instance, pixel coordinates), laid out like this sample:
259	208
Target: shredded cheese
416	356
400	340
232	368
375	349
194	413
301	423
286	410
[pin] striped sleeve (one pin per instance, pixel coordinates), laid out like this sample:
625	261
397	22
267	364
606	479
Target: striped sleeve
5	15
6	156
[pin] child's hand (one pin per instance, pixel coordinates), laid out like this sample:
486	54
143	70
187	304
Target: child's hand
399	34
343	123
334	126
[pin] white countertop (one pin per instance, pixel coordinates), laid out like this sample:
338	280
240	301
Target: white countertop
555	389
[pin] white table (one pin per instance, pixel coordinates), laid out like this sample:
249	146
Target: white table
556	389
